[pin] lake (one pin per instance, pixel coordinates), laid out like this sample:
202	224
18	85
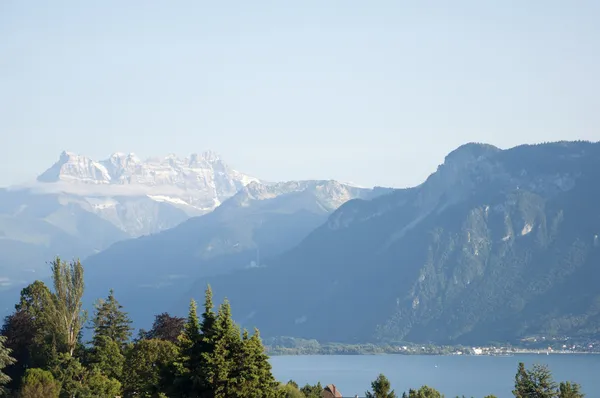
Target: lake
475	376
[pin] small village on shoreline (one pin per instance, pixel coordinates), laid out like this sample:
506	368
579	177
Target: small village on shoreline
527	346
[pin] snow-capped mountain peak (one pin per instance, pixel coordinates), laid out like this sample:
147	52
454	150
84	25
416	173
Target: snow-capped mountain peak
195	184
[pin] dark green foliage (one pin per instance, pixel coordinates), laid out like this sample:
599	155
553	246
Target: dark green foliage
252	368
111	321
568	390
165	327
217	362
537	382
290	390
98	385
147	368
5	360
381	388
106	357
222	361
31	333
312	391
423	392
39	383
19	333
534	383
78	381
190	378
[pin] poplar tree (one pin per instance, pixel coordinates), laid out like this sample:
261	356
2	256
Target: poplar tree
68	291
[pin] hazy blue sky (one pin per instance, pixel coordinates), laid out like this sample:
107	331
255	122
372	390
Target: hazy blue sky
374	92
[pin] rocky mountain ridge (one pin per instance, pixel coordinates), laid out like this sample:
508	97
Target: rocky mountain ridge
80	206
201	181
494	246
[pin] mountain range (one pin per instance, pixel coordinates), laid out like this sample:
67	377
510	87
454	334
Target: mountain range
496	245
79	206
258	223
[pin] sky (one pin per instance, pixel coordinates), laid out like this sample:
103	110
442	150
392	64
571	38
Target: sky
369	92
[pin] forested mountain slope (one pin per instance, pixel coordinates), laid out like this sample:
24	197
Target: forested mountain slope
495	245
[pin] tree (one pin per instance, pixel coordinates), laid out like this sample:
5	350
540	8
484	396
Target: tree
39	383
165	327
534	383
423	392
77	381
33	326
5	360
68	291
290	390
221	361
147	367
190	378
313	391
71	375
111	321
252	370
106	356
31	332
568	390
20	333
99	385
381	388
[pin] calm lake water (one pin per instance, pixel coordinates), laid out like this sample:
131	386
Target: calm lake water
475	376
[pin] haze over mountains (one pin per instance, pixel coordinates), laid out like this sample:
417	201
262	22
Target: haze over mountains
495	245
80	206
246	231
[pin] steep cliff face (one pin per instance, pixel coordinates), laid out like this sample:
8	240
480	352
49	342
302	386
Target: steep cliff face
495	245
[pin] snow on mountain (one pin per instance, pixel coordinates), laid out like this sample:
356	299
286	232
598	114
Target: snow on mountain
201	179
134	194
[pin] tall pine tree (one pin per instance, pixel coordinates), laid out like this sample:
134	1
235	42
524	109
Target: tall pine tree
111	321
189	379
222	361
252	370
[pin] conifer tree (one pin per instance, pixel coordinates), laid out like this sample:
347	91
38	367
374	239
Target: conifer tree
381	388
536	382
569	390
106	356
189	380
5	360
253	372
111	321
222	362
208	321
